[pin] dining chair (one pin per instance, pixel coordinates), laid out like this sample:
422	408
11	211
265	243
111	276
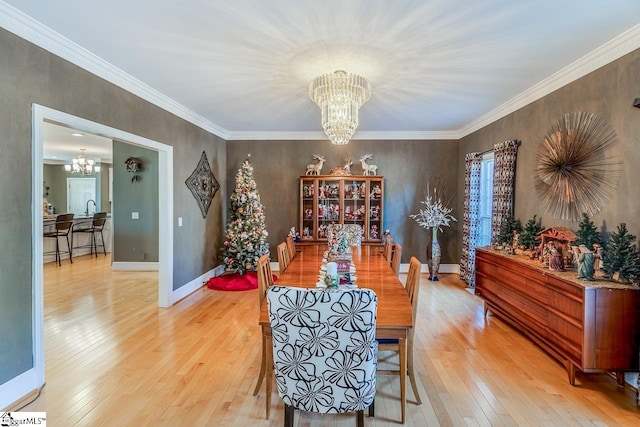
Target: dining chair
291	247
396	256
412	287
352	232
283	257
265	280
324	349
388	248
62	228
96	227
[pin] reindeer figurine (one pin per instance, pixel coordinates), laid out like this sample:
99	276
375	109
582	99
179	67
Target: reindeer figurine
315	168
343	170
366	168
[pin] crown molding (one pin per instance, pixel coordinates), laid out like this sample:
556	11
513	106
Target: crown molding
364	135
35	32
616	48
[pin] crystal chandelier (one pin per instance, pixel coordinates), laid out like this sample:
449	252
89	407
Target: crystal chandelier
82	166
339	95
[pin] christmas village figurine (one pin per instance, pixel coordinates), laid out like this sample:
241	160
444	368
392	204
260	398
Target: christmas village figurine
293	233
585	263
376	192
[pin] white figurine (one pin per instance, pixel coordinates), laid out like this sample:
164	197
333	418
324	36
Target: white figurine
315	168
366	168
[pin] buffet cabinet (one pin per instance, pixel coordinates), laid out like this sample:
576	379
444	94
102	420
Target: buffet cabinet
588	326
327	199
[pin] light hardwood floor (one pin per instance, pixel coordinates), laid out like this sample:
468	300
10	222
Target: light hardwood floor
114	357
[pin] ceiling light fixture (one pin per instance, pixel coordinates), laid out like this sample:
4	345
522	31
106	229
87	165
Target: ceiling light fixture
339	95
82	166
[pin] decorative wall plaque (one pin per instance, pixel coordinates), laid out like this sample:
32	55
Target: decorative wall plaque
203	184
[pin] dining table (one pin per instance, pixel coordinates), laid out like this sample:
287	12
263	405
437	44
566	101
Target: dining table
372	271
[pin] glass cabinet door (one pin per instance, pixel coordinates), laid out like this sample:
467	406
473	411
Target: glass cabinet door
355	203
328	205
307	216
375	210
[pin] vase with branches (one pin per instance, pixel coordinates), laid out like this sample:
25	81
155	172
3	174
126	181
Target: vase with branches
434	216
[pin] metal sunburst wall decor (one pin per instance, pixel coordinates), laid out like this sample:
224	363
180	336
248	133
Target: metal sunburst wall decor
574	174
203	184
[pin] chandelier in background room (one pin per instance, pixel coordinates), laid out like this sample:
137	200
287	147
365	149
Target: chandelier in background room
82	166
339	95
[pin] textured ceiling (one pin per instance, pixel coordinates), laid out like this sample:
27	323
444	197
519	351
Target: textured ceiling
243	67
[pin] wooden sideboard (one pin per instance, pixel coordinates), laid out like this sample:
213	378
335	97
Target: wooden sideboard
589	326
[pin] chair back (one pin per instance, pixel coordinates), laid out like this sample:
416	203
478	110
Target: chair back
99	219
291	247
64	221
324	348
283	257
265	277
413	285
396	256
388	248
352	232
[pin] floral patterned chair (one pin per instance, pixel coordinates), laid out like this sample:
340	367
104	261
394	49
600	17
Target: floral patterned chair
352	232
324	349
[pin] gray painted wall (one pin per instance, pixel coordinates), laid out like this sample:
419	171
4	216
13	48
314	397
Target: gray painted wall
407	166
135	240
30	75
608	91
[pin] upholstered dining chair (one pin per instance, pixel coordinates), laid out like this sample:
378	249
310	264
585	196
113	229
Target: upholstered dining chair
413	287
396	256
291	247
265	280
283	257
324	349
352	232
62	228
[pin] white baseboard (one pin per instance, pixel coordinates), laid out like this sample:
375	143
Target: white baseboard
135	266
444	268
195	284
16	388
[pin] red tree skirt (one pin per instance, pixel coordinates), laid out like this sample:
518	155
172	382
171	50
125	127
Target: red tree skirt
234	282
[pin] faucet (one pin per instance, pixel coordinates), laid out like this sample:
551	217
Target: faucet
94	206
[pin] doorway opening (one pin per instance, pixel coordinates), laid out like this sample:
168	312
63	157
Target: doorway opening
40	115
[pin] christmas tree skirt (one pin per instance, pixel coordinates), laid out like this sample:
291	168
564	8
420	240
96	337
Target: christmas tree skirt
234	282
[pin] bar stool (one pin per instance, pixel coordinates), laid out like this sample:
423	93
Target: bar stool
63	227
97	224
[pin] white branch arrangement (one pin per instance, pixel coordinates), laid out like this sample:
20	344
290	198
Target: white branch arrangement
435	213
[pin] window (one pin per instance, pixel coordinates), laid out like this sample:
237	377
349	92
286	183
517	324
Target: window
486	199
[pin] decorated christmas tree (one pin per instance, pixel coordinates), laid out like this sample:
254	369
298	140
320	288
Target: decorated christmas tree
587	233
622	256
529	233
246	238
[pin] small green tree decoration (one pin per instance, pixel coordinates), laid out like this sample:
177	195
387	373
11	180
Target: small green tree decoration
587	233
622	256
508	226
530	232
246	237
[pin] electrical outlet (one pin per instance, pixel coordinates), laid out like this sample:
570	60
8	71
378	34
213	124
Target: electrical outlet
135	215
179	221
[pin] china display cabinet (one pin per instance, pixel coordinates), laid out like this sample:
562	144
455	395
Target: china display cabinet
329	199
